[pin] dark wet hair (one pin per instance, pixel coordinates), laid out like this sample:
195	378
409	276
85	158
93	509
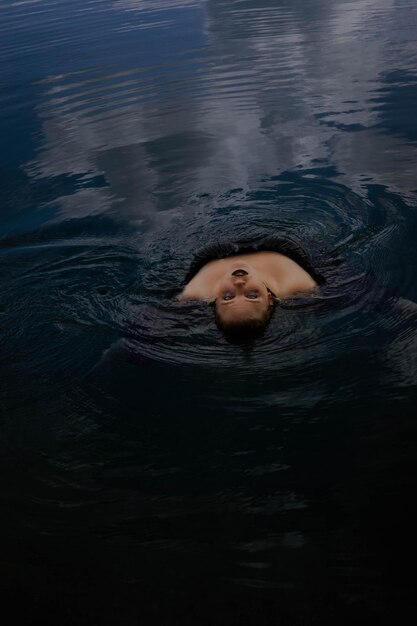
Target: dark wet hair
243	330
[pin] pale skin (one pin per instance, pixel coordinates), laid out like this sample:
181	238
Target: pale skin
242	285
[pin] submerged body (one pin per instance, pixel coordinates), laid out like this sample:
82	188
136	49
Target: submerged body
245	286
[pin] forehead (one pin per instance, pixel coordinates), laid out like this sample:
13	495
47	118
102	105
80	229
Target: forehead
240	308
240	301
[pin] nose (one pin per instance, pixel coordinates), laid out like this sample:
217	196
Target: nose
239	280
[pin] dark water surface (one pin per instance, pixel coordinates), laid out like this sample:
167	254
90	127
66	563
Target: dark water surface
151	472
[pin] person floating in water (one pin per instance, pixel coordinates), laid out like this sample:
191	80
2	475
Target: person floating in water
244	281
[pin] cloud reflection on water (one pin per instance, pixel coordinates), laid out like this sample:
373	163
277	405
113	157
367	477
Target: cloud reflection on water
272	88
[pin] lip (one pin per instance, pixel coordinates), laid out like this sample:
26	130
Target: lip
239	271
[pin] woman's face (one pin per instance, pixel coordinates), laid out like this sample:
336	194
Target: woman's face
241	294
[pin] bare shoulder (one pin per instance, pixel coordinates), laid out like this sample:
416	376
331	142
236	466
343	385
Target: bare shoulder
190	292
200	287
285	274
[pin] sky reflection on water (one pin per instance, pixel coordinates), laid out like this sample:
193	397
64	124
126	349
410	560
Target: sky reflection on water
232	104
